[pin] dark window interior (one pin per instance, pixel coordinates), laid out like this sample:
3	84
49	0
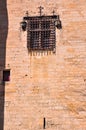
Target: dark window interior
34	24
6	75
45	24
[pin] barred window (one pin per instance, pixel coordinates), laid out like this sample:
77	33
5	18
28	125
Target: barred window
41	33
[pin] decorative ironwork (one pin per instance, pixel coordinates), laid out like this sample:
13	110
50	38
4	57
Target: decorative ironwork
41	33
40	10
53	12
27	14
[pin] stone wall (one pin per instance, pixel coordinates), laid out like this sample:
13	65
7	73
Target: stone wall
46	85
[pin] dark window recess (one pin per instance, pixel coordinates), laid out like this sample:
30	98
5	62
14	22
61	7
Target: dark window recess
41	33
34	39
6	75
45	24
34	25
45	40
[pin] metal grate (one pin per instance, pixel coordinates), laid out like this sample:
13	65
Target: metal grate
41	33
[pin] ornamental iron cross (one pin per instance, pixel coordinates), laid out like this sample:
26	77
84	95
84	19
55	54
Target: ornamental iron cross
40	10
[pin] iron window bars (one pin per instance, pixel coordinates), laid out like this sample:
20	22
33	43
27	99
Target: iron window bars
41	34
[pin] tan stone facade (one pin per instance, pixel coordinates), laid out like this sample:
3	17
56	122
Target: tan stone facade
43	84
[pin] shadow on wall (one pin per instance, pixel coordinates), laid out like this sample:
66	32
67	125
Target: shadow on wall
3	37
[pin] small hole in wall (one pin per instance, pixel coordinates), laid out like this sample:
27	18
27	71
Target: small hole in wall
44	123
6	75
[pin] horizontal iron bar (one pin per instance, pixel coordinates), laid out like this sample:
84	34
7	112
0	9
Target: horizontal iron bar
42	17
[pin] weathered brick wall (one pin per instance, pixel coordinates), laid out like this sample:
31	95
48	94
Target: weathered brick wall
46	84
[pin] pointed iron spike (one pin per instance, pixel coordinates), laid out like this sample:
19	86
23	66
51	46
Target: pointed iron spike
27	13
53	12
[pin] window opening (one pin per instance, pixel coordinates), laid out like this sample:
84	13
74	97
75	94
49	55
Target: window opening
41	33
6	75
